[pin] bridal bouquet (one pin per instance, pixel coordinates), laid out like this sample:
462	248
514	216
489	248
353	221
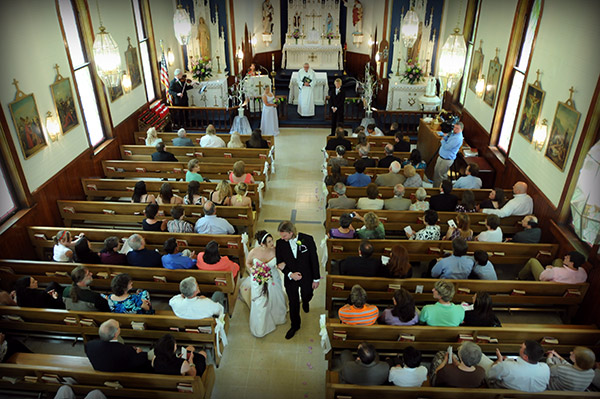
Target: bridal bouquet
262	274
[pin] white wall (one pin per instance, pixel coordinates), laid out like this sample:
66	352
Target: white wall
565	52
372	18
32	43
118	18
162	12
495	24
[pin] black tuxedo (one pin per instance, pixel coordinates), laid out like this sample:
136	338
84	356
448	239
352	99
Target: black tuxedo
176	87
307	263
336	100
115	357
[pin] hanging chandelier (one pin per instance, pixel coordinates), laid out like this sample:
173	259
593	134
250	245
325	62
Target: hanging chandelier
182	25
452	59
107	58
410	28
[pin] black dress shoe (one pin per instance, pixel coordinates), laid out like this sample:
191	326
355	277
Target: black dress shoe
305	307
291	332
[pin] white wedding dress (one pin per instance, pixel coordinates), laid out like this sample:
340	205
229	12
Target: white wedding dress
269	122
266	312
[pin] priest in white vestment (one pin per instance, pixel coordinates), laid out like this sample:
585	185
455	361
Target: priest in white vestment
306	82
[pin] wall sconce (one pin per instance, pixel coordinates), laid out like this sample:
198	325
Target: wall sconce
253	40
52	126
539	135
126	83
170	57
267	38
480	86
240	57
357	39
371	42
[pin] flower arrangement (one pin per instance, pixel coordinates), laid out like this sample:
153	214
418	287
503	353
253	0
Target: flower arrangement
262	274
329	35
279	100
296	34
202	69
413	73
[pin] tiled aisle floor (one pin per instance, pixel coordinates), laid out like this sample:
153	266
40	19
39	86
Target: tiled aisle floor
273	367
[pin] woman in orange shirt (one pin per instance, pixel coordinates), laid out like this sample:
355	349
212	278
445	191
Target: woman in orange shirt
210	259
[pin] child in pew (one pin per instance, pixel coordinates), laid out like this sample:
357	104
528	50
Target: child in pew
483	269
412	374
63	246
493	232
169	360
178	225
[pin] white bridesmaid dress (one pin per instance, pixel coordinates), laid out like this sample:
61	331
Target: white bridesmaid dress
269	122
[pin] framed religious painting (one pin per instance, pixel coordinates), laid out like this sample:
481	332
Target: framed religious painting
531	110
62	95
133	66
476	69
563	130
28	124
114	92
491	83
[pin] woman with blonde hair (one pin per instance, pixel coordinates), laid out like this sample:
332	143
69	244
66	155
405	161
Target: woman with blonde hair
152	137
463	228
413	179
240	199
235	141
222	194
239	175
166	196
372	229
192	173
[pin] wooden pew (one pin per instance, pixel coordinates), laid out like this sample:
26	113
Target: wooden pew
375	141
500	253
371	172
376	154
433	339
167	137
143	277
123	213
538	294
337	390
184	154
177	170
134	385
398	220
230	245
52	321
113	189
409	192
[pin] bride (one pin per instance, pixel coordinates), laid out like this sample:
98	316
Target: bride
267	302
269	123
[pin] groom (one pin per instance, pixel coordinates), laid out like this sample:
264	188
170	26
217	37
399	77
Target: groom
297	257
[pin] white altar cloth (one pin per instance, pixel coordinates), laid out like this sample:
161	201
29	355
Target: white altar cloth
403	96
215	95
320	88
319	56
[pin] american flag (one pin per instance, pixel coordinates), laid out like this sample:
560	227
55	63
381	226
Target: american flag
164	78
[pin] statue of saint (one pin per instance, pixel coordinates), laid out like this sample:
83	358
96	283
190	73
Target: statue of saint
329	27
204	38
297	23
267	17
357	16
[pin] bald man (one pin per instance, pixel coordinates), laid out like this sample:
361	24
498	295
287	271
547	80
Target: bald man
531	233
520	205
108	354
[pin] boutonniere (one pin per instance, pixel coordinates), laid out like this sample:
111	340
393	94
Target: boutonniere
299	242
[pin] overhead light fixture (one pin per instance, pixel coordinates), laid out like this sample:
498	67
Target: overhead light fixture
452	59
52	126
170	57
410	28
182	25
539	135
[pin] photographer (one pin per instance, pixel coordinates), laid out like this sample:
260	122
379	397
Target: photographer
449	146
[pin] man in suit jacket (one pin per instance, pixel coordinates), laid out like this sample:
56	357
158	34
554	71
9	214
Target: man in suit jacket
178	88
444	202
341	202
366	369
336	104
386	161
364	155
108	354
340	139
297	257
161	155
393	177
397	203
362	265
182	140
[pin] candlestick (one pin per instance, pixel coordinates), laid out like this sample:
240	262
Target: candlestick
272	62
398	67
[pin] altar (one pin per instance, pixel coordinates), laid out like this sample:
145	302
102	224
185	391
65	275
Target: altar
214	94
255	87
404	96
319	56
320	89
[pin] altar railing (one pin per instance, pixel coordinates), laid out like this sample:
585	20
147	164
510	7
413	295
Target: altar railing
408	121
197	118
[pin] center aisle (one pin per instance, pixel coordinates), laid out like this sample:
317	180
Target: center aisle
273	367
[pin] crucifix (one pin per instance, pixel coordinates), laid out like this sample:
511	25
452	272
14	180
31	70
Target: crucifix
16	83
313	16
312	57
260	86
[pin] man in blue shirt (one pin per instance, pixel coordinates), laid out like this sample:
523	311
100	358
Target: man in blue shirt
457	266
358	179
449	146
174	259
471	180
139	255
210	223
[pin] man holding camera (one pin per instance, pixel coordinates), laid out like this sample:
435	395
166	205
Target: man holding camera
449	146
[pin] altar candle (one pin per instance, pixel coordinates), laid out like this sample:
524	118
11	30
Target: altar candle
272	62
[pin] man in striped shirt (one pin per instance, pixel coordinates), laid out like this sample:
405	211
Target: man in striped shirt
359	313
565	376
